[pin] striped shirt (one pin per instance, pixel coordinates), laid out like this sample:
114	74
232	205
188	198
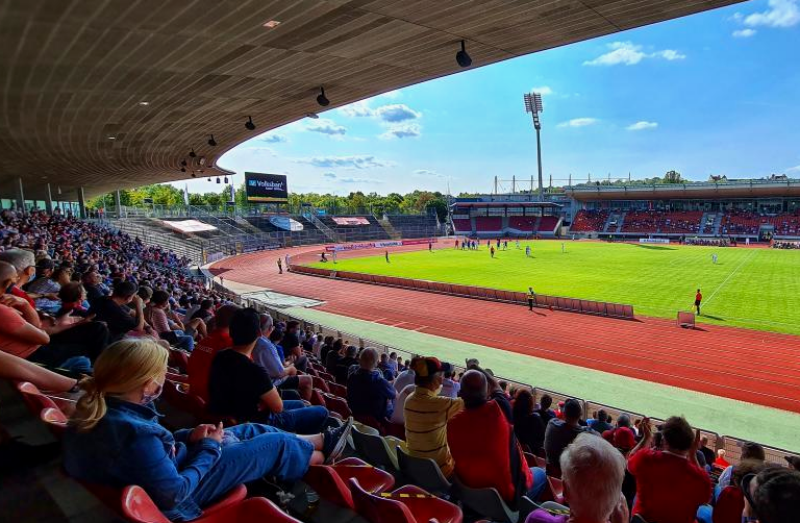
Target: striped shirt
426	416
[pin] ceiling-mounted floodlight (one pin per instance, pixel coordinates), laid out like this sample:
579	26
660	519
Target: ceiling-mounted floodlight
211	141
250	125
226	179
183	163
462	57
322	99
313	116
218	179
194	175
183	169
192	154
209	179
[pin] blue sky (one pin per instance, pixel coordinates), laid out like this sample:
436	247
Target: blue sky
715	93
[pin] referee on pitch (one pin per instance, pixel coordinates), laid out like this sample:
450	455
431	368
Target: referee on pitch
531	298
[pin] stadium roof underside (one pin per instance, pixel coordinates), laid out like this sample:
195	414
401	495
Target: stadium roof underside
77	74
546	205
689	191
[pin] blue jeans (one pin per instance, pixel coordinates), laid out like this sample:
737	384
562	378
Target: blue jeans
539	483
298	418
261	451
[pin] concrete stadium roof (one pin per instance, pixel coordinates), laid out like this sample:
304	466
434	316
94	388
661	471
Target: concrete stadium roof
76	74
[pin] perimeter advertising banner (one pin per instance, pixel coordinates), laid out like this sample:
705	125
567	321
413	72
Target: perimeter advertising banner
266	188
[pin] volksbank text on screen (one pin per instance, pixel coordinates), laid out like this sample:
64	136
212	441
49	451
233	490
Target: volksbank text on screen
266	188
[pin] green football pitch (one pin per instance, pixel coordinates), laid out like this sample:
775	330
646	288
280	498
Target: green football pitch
751	288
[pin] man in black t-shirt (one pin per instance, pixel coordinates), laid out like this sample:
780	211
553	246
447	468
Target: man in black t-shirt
240	388
114	310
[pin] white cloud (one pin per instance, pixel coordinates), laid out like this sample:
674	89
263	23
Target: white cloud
425	173
326	126
260	149
396	113
642	125
744	33
347	162
392	95
329	175
357	110
579	122
543	90
403	130
350	179
781	13
794	169
628	53
272	138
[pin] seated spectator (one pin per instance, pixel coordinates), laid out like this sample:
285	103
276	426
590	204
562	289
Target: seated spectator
528	425
343	366
483	445
240	388
92	281
327	345
368	392
772	496
156	316
334	356
24	262
383	367
709	455
114	439
114	311
450	387
73	299
392	364
284	377
600	424
622	436
670	485
729	501
592	472
794	462
293	352
560	433
44	289
426	414
750	451
200	360
544	409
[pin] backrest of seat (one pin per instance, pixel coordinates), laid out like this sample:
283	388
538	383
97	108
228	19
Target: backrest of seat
338	405
423	472
137	506
55	419
729	506
33	398
373	448
486	502
327	483
376	509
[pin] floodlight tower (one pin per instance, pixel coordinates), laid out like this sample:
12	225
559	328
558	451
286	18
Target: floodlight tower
533	105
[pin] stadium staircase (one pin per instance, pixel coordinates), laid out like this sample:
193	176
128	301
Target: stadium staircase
144	229
717	224
246	225
613	218
329	233
621	221
389	228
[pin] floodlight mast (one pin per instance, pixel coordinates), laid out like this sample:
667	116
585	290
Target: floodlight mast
533	105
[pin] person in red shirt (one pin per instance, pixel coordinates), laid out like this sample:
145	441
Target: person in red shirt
670	484
484	446
199	367
25	263
697	299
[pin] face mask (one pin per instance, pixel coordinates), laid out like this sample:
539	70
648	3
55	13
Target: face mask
149	398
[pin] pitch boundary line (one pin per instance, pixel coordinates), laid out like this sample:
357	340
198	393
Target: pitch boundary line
721	285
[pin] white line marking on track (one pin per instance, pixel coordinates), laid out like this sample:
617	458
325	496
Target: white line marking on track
721	285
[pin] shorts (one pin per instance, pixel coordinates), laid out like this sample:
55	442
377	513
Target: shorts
696	303
290	382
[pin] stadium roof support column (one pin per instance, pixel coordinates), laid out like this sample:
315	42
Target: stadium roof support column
48	199
81	203
20	195
118	203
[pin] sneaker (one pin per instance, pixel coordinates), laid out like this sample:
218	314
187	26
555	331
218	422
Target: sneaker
334	441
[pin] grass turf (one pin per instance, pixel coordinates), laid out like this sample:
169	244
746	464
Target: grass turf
751	288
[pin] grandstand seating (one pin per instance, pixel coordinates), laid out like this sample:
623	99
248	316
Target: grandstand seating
589	221
488	224
548	224
522	223
415	225
685	222
462	226
372	230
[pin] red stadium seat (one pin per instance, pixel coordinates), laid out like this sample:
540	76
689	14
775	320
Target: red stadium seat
320	384
337	405
336	389
330	481
55	420
407	504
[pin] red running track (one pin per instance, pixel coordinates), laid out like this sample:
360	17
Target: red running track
747	365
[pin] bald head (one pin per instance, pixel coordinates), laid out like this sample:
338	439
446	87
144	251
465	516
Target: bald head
368	358
473	389
7	273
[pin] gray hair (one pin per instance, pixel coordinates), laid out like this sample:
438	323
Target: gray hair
266	322
624	420
351	351
21	259
592	470
368	358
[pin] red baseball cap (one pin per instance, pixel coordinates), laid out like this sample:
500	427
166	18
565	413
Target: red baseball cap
624	438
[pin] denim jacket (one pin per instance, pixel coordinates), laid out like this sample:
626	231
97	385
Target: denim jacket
129	447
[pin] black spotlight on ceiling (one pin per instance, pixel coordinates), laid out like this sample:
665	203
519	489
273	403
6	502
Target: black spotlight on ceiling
194	175
211	141
218	179
183	169
183	163
250	125
226	179
322	99
462	57
209	179
192	154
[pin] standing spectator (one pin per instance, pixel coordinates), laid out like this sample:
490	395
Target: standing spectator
342	369
369	394
560	433
750	451
426	414
709	454
670	485
592	472
450	387
528	424
545	412
483	445
600	424
240	388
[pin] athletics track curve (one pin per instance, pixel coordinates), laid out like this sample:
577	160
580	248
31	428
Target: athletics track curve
752	366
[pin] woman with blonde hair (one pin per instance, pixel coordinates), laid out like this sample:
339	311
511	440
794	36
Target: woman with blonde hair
115	439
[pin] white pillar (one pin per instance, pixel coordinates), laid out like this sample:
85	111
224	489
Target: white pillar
118	203
20	195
